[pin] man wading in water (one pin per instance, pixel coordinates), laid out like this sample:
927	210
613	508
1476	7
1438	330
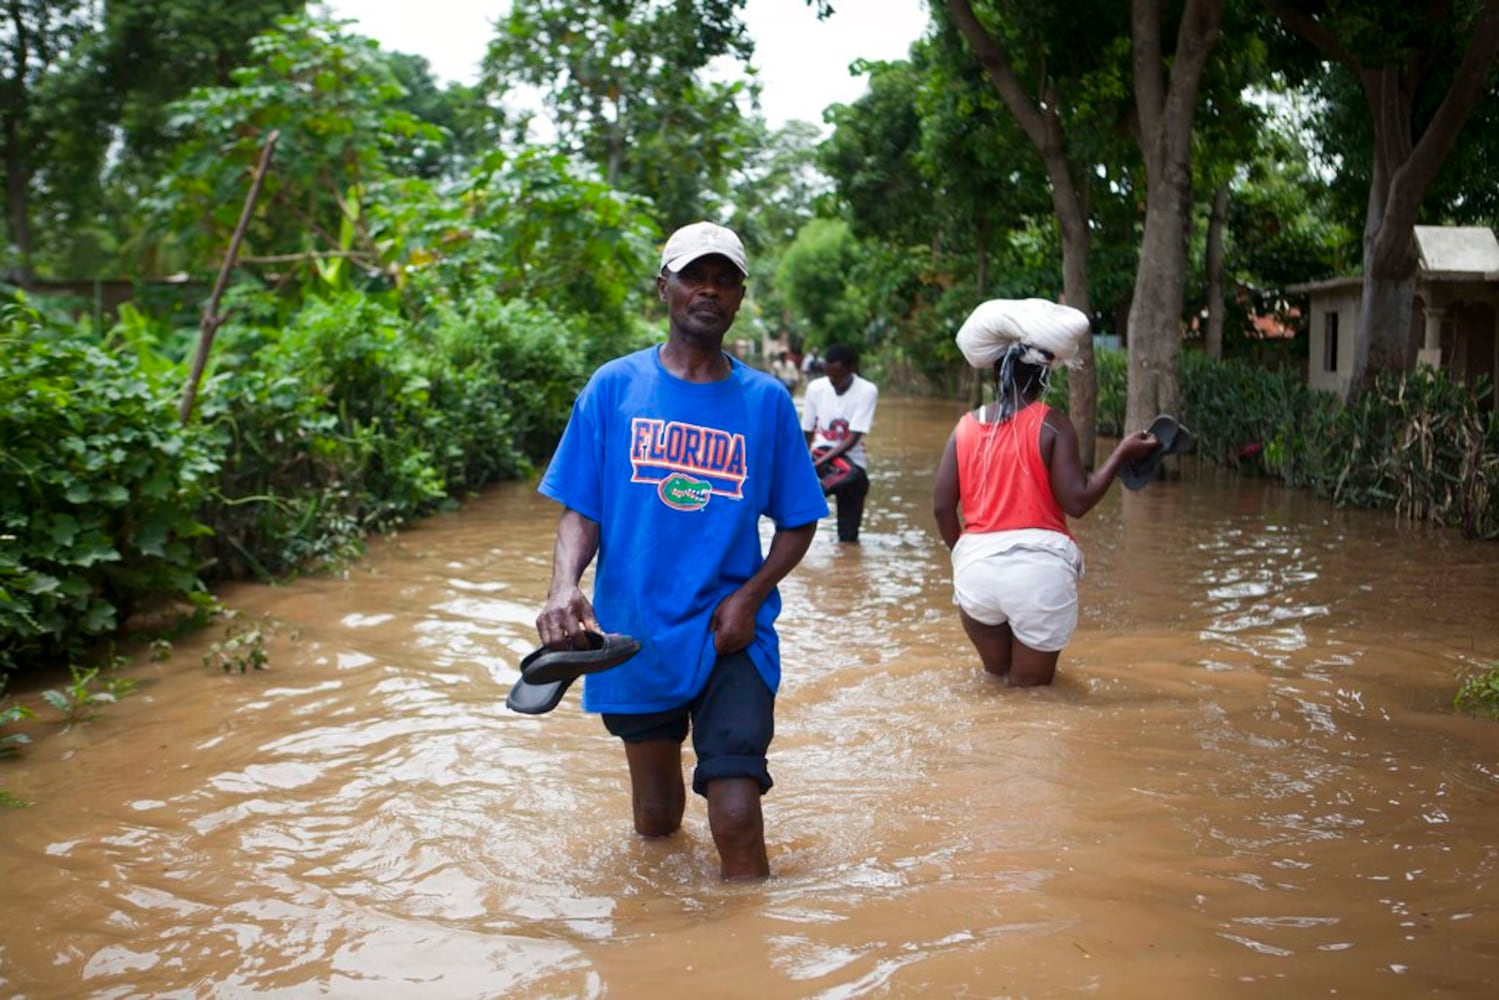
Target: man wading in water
671	457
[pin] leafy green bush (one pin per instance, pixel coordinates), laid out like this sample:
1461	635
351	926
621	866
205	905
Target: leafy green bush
358	356
1420	442
282	501
1113	390
1112	368
1479	692
503	377
99	488
1237	409
353	420
320	429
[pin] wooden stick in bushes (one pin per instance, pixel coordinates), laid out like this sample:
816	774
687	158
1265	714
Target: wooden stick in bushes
211	321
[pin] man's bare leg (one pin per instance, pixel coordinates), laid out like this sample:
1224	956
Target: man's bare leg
738	828
656	790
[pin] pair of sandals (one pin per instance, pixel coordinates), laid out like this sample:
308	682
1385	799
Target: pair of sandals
1172	439
546	673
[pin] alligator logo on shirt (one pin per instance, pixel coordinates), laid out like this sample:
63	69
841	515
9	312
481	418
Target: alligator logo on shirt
682	492
689	464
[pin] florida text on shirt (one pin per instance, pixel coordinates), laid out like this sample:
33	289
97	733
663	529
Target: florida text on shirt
687	462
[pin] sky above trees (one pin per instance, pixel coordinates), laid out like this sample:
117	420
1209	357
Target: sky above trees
803	62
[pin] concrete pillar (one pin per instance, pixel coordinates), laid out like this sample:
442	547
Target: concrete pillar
1431	352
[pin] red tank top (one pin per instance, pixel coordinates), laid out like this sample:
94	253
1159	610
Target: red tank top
1002	482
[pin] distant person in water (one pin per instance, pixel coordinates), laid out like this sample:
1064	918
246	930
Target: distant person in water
672	457
811	365
1009	478
786	371
837	413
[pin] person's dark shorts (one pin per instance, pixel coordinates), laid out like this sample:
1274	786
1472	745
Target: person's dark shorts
732	722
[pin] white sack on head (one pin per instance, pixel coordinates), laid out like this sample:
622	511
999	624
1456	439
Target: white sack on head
1038	323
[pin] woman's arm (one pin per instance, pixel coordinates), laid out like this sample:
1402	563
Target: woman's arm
1077	492
946	494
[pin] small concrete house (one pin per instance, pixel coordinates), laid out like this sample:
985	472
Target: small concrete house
1454	322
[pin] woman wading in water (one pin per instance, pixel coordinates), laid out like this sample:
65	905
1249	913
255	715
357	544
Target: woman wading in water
1012	470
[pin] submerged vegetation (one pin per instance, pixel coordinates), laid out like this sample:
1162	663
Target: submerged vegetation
1421	444
1479	692
75	702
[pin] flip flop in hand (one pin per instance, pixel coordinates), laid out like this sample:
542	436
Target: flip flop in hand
547	673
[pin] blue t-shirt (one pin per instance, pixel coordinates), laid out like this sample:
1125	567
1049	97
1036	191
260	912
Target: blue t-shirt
677	475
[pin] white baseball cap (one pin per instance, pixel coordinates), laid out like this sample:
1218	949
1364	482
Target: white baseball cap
699	240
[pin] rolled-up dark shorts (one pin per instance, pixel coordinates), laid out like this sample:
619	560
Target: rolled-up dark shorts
732	721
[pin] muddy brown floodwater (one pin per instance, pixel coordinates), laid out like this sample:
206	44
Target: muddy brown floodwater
1247	779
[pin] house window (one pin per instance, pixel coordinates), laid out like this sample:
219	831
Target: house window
1330	342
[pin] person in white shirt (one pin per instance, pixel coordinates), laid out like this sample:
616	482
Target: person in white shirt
837	412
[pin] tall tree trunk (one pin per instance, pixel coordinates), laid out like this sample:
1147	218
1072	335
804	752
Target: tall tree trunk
975	394
1082	381
1069	199
1166	114
1217	222
16	109
1383	334
1404	167
17	180
1385	340
1155	312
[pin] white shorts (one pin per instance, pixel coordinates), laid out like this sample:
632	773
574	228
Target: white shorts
1027	578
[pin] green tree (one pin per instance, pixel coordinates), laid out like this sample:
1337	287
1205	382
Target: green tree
331	96
1167	72
1227	130
814	278
944	196
986	184
95	120
1419	99
775	193
627	89
469	128
873	157
897	213
778	187
534	226
1281	222
150	53
38	42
